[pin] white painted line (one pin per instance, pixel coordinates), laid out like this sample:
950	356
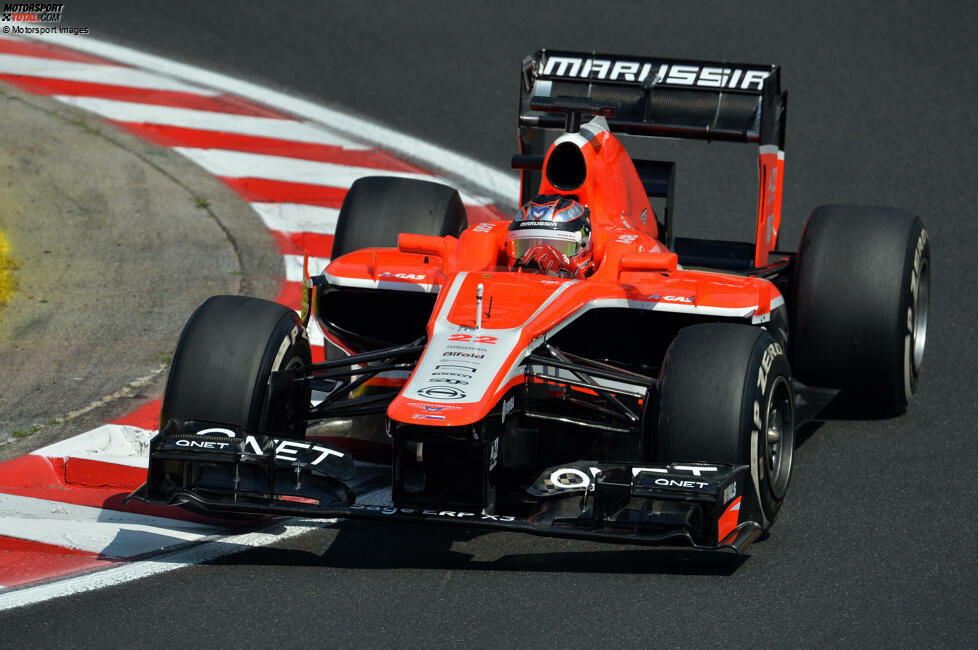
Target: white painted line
111	443
499	185
296	217
266	127
97	530
94	73
240	164
293	266
178	559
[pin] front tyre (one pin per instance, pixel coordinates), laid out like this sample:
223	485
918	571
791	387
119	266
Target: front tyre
225	356
725	396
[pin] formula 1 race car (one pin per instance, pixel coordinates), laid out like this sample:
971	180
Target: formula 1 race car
580	371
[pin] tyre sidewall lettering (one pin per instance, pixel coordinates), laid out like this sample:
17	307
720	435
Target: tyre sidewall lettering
772	364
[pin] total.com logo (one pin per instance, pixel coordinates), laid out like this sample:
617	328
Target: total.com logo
31	13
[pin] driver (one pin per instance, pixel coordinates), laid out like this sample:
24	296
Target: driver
552	232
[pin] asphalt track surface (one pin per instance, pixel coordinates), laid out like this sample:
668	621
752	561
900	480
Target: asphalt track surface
875	544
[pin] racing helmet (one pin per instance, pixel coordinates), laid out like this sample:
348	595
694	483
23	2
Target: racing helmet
556	224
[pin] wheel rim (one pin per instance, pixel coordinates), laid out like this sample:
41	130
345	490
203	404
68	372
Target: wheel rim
921	305
780	439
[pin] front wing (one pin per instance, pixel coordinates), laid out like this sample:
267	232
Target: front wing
220	468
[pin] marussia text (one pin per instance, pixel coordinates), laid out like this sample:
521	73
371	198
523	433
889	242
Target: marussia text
670	74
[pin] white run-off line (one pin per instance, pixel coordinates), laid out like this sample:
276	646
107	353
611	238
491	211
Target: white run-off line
266	127
95	73
503	186
112	533
197	554
241	164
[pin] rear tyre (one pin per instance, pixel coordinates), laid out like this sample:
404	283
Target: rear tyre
224	358
725	396
860	305
378	208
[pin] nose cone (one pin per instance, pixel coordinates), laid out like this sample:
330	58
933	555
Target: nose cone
464	371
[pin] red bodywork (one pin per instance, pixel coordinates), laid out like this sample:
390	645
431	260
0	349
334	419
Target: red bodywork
465	370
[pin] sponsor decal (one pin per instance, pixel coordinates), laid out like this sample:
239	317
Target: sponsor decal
626	239
434	408
439	393
403	276
218	431
284	450
668	74
202	444
493	454
688	300
508	405
426	416
449	514
729	492
576	478
670	482
467	355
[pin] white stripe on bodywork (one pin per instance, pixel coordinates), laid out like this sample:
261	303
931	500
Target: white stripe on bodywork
700	310
266	127
297	217
94	73
239	164
776	302
96	530
369	283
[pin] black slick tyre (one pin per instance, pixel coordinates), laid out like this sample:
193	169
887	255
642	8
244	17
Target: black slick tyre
860	305
221	367
724	396
378	208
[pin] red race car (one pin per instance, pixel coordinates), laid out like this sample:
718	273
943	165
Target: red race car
578	371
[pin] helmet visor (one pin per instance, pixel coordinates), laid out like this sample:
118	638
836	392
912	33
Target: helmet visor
518	243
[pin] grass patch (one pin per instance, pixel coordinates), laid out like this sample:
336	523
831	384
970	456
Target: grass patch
201	202
26	433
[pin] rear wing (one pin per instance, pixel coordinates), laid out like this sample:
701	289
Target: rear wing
657	97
